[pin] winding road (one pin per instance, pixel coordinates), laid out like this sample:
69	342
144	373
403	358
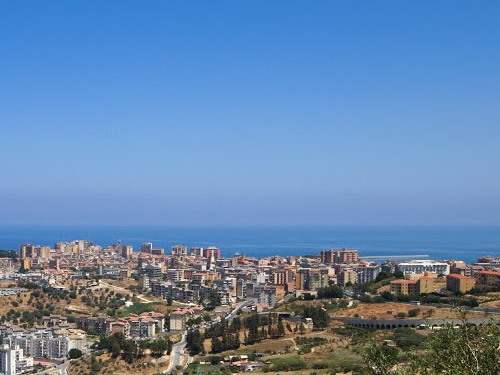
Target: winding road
176	354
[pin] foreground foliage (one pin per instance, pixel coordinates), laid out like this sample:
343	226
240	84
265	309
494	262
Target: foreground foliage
467	350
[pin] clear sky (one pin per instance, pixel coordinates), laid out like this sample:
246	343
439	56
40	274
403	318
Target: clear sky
250	112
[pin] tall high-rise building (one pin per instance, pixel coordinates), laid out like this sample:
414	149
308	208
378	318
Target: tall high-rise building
27	251
179	250
342	256
211	251
147	247
196	251
43	252
127	251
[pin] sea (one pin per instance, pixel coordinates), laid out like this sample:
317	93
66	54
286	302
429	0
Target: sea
425	242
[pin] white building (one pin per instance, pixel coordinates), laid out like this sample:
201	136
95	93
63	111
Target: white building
13	361
422	266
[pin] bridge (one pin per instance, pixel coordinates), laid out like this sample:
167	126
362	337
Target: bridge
411	323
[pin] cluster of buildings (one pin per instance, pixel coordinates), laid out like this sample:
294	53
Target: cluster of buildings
144	326
200	274
460	277
53	341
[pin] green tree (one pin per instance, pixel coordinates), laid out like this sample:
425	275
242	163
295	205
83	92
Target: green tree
467	350
380	359
216	345
74	353
281	328
115	349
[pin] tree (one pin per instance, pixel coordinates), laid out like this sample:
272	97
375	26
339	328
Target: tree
74	353
399	275
467	350
331	291
115	349
214	298
383	275
302	328
380	359
194	342
318	315
216	345
413	312
281	328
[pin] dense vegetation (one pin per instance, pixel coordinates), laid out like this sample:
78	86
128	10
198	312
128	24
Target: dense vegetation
318	315
8	254
331	291
468	350
128	350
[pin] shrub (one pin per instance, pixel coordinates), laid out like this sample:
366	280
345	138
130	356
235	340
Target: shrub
414	312
288	364
74	353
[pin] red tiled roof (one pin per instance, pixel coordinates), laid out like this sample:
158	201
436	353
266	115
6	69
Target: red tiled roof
458	276
403	281
493	273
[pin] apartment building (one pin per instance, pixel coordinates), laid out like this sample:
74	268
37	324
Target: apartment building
422	285
179	250
179	318
459	284
342	256
404	287
422	266
211	252
347	276
13	361
488	278
311	278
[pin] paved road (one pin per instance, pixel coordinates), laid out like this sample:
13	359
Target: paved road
176	355
178	349
238	307
61	369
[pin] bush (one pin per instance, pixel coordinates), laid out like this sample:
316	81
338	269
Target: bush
288	364
74	353
413	312
407	338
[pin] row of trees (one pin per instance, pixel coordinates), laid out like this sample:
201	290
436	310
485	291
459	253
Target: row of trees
226	336
128	350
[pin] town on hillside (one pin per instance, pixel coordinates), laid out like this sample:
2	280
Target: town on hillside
77	308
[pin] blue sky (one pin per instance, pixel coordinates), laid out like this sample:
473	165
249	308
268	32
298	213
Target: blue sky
250	112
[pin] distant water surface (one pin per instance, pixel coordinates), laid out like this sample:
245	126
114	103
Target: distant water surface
465	243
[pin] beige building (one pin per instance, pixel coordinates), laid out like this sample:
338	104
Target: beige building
404	287
488	278
347	276
423	285
459	284
311	278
